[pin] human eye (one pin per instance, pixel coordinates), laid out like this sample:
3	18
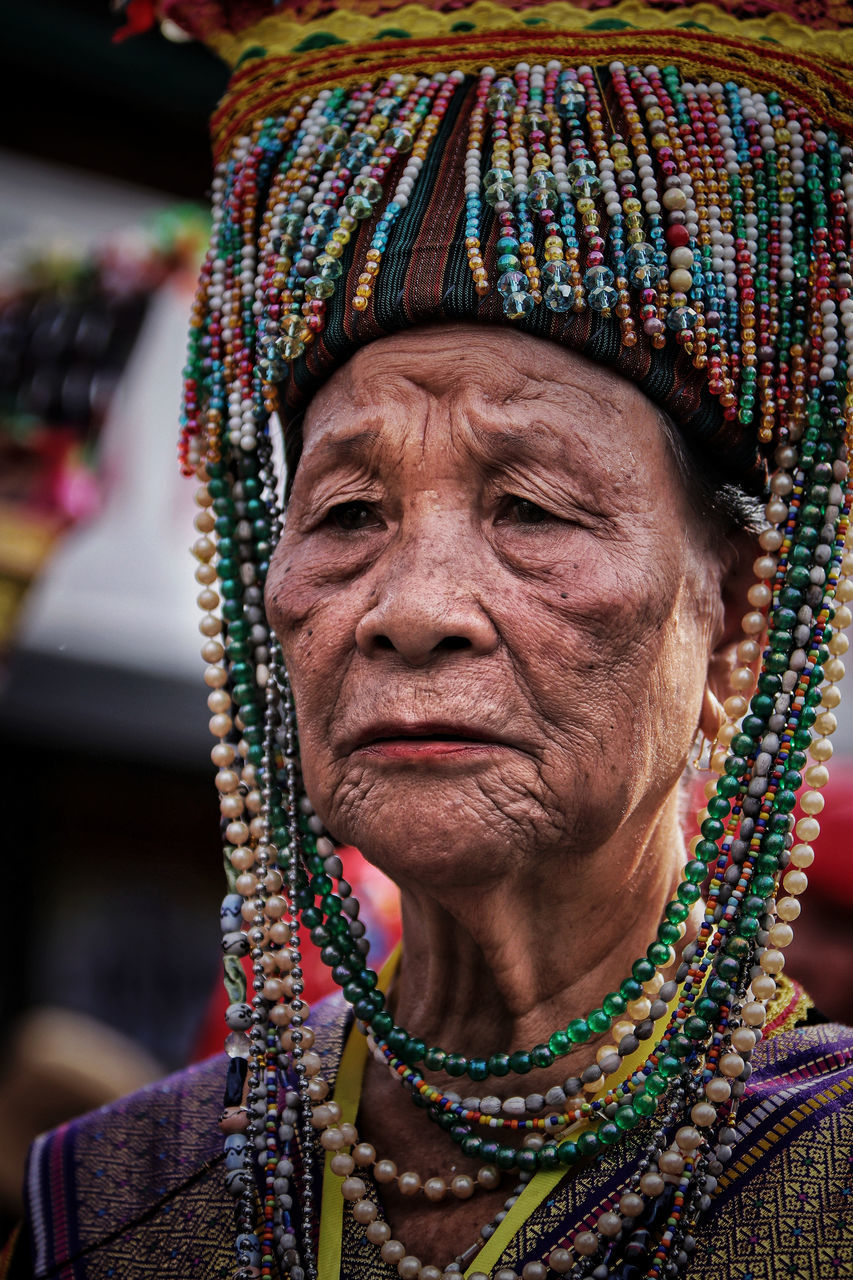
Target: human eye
352	517
523	511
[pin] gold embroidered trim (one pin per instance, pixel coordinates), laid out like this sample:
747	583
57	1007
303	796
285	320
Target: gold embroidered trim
781	1130
268	85
786	993
280	34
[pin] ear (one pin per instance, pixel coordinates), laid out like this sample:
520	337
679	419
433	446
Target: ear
737	582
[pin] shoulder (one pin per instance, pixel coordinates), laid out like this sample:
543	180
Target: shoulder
783	1206
134	1185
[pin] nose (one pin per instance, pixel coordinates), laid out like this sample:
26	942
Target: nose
426	604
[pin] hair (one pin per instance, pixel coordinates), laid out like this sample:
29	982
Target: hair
726	506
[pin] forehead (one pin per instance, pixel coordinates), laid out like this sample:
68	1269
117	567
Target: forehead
488	390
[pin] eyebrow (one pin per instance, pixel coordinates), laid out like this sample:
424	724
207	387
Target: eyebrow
345	448
529	444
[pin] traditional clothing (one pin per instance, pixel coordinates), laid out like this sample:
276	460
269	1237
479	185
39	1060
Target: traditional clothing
669	191
136	1190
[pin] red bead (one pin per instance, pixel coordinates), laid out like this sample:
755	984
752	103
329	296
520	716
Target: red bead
677	236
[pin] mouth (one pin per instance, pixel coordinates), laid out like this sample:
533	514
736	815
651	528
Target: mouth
399	739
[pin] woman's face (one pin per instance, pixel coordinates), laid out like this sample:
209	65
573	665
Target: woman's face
495	604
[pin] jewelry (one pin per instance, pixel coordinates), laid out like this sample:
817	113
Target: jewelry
727	243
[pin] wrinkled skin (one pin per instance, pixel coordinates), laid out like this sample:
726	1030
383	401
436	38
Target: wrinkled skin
488	545
416	580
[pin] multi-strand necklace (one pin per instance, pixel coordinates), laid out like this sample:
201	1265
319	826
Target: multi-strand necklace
716	221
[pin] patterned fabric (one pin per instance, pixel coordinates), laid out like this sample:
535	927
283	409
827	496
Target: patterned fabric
225	24
134	1191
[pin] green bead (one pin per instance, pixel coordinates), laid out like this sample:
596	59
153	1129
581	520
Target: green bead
588	1144
568	1153
718	807
559	1043
695	871
527	1161
541	1056
655	1084
668	935
737	947
548	1157
626	1118
670	1066
631	989
455	1064
677	912
499	1064
707	1009
680	1045
748	927
578	1031
520	1062
506	1158
613	1004
764	885
598	1022
707	850
697	1028
434	1058
712	828
643	970
727	967
413	1051
785	801
688	893
478	1069
645	1104
471	1146
489	1152
608	1133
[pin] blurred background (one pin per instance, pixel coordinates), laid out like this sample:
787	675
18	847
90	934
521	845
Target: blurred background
111	860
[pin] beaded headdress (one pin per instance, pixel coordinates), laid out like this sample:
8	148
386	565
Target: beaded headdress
669	190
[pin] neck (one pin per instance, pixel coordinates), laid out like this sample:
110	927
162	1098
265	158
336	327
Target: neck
501	966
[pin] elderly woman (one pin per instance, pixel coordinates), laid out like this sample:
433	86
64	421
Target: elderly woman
519	573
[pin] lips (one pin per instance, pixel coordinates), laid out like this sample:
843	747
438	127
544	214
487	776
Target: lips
423	731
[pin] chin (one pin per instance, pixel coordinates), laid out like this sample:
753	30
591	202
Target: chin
465	831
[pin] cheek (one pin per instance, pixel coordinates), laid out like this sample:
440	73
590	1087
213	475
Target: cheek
312	625
612	657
